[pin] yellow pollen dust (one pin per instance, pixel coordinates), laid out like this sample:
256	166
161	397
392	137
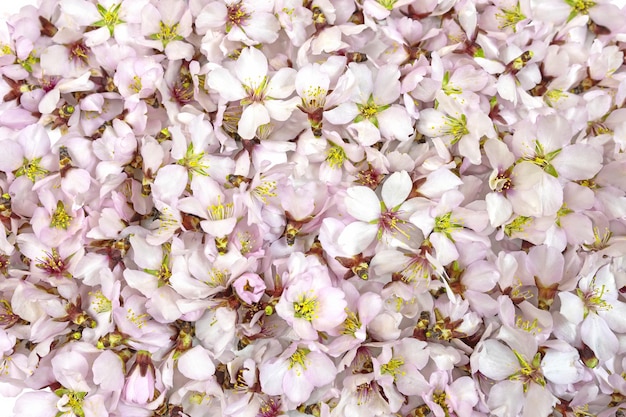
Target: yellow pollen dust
509	18
266	189
31	169
100	304
393	368
351	324
314	97
217	278
221	211
60	218
527	325
138	320
335	156
167	34
299	358
306	308
135	86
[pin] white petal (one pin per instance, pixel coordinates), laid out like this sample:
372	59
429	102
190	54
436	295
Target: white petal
561	367
578	162
282	84
251	67
356	237
226	84
196	364
499	209
253	116
496	361
396	189
362	203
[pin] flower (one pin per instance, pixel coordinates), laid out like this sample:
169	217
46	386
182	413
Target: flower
376	219
296	372
262	96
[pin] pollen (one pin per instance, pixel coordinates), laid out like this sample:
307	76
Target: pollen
5	49
138	320
60	218
306	308
167	34
217	278
135	86
509	18
517	225
100	304
221	211
264	190
445	224
314	97
457	128
194	161
351	324
335	156
393	368
110	17
299	358
32	169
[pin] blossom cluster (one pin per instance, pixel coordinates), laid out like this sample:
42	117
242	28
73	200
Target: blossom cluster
254	208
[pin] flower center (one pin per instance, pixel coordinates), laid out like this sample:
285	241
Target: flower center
446	225
60	218
528	372
369	111
78	51
266	189
32	169
580	6
306	308
393	367
100	304
236	16
363	393
193	161
592	299
335	156
457	128
387	4
221	211
167	34
509	18
299	358
517	225
314	98
255	90
110	17
439	398
135	86
501	183
351	324
53	264
138	320
74	400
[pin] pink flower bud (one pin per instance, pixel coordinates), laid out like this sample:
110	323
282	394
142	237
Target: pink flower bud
139	387
249	287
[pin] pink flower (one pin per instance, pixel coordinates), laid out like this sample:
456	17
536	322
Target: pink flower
249	287
376	219
310	304
297	372
262	96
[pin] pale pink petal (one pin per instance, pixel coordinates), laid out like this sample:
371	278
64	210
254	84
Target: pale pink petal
282	84
253	116
356	237
362	203
196	364
396	189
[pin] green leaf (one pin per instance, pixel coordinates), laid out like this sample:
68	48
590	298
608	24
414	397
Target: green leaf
552	155
550	170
